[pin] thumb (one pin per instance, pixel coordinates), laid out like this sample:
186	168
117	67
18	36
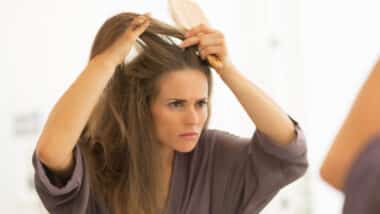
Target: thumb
138	25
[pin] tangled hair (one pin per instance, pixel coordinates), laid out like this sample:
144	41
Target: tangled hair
118	143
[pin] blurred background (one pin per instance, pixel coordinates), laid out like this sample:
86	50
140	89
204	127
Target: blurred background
310	56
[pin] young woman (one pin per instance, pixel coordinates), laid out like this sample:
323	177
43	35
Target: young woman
352	163
133	137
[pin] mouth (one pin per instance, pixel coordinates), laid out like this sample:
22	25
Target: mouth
189	135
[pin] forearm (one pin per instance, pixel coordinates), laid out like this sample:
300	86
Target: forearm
70	114
362	122
265	114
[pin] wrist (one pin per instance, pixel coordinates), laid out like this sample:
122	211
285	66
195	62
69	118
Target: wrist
228	67
100	61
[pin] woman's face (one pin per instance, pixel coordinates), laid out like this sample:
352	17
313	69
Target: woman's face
180	109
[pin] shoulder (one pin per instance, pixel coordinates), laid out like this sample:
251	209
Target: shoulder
221	146
215	138
365	165
362	184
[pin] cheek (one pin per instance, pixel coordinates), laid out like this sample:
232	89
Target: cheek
166	123
204	115
168	119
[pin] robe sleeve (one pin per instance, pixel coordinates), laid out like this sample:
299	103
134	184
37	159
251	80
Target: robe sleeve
248	172
59	195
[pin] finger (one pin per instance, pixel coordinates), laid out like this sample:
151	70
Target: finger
204	40
189	42
202	28
137	27
211	40
139	21
212	50
142	27
148	14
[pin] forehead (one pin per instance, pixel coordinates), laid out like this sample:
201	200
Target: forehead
186	84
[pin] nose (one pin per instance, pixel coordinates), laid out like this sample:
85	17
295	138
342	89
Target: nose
192	116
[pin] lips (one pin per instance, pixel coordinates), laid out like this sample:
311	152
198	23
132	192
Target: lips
188	134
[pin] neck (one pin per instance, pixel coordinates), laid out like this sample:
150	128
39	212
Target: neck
167	155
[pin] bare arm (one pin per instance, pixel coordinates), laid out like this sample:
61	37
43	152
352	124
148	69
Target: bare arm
70	114
267	115
362	122
263	111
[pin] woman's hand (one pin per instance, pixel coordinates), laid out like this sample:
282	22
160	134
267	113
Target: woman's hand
116	53
210	42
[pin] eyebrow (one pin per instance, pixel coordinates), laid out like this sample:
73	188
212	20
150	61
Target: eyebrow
184	100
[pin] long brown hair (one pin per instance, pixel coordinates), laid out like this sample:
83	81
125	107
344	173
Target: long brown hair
120	148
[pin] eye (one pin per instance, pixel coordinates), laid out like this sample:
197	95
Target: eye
176	104
202	103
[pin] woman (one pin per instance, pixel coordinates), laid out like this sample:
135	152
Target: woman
133	138
352	163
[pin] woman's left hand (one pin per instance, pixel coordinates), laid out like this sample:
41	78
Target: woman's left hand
210	42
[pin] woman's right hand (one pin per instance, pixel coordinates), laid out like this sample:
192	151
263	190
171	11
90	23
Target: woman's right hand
119	50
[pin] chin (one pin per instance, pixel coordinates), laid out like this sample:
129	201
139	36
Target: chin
189	147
